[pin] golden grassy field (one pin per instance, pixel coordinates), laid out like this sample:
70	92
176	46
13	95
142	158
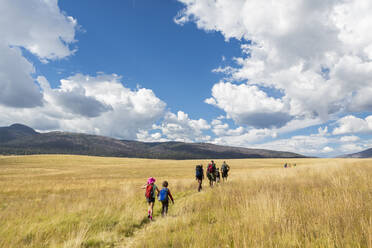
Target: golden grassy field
78	201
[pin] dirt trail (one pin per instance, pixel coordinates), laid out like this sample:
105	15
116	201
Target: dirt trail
139	234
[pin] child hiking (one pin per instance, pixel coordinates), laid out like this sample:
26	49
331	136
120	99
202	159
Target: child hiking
164	196
199	176
150	195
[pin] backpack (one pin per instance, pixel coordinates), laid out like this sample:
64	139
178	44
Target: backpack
149	191
224	168
163	195
211	168
199	171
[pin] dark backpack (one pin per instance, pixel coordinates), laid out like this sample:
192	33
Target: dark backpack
198	171
224	168
149	191
163	195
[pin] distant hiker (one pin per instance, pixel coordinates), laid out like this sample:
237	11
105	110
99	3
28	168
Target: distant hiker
218	175
150	195
211	170
285	165
164	196
225	168
199	175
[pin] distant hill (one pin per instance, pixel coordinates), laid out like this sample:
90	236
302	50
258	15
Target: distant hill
363	154
15	131
20	139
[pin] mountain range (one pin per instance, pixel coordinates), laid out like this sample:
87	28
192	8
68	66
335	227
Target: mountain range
363	154
19	139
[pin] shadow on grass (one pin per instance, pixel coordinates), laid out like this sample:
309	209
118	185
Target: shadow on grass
128	231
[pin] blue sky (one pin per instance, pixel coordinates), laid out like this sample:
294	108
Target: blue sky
147	48
194	71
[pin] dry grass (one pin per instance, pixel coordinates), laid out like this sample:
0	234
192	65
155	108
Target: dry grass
77	201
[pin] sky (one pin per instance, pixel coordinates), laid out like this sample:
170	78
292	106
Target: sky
283	75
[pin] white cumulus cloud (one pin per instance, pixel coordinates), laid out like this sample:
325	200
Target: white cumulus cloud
351	138
350	148
18	88
37	25
243	138
40	27
316	53
91	104
248	105
180	127
352	124
327	149
303	144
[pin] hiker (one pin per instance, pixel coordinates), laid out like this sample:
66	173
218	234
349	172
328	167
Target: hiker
218	175
150	195
225	168
199	175
211	170
164	196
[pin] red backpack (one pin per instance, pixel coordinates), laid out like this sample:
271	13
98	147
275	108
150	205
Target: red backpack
210	168
149	191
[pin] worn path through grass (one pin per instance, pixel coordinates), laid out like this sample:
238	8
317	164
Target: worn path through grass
141	229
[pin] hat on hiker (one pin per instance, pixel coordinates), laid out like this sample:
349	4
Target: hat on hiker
151	180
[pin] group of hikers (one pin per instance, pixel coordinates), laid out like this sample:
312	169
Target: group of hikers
164	195
213	173
288	165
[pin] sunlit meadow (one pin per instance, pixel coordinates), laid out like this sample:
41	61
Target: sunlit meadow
79	201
